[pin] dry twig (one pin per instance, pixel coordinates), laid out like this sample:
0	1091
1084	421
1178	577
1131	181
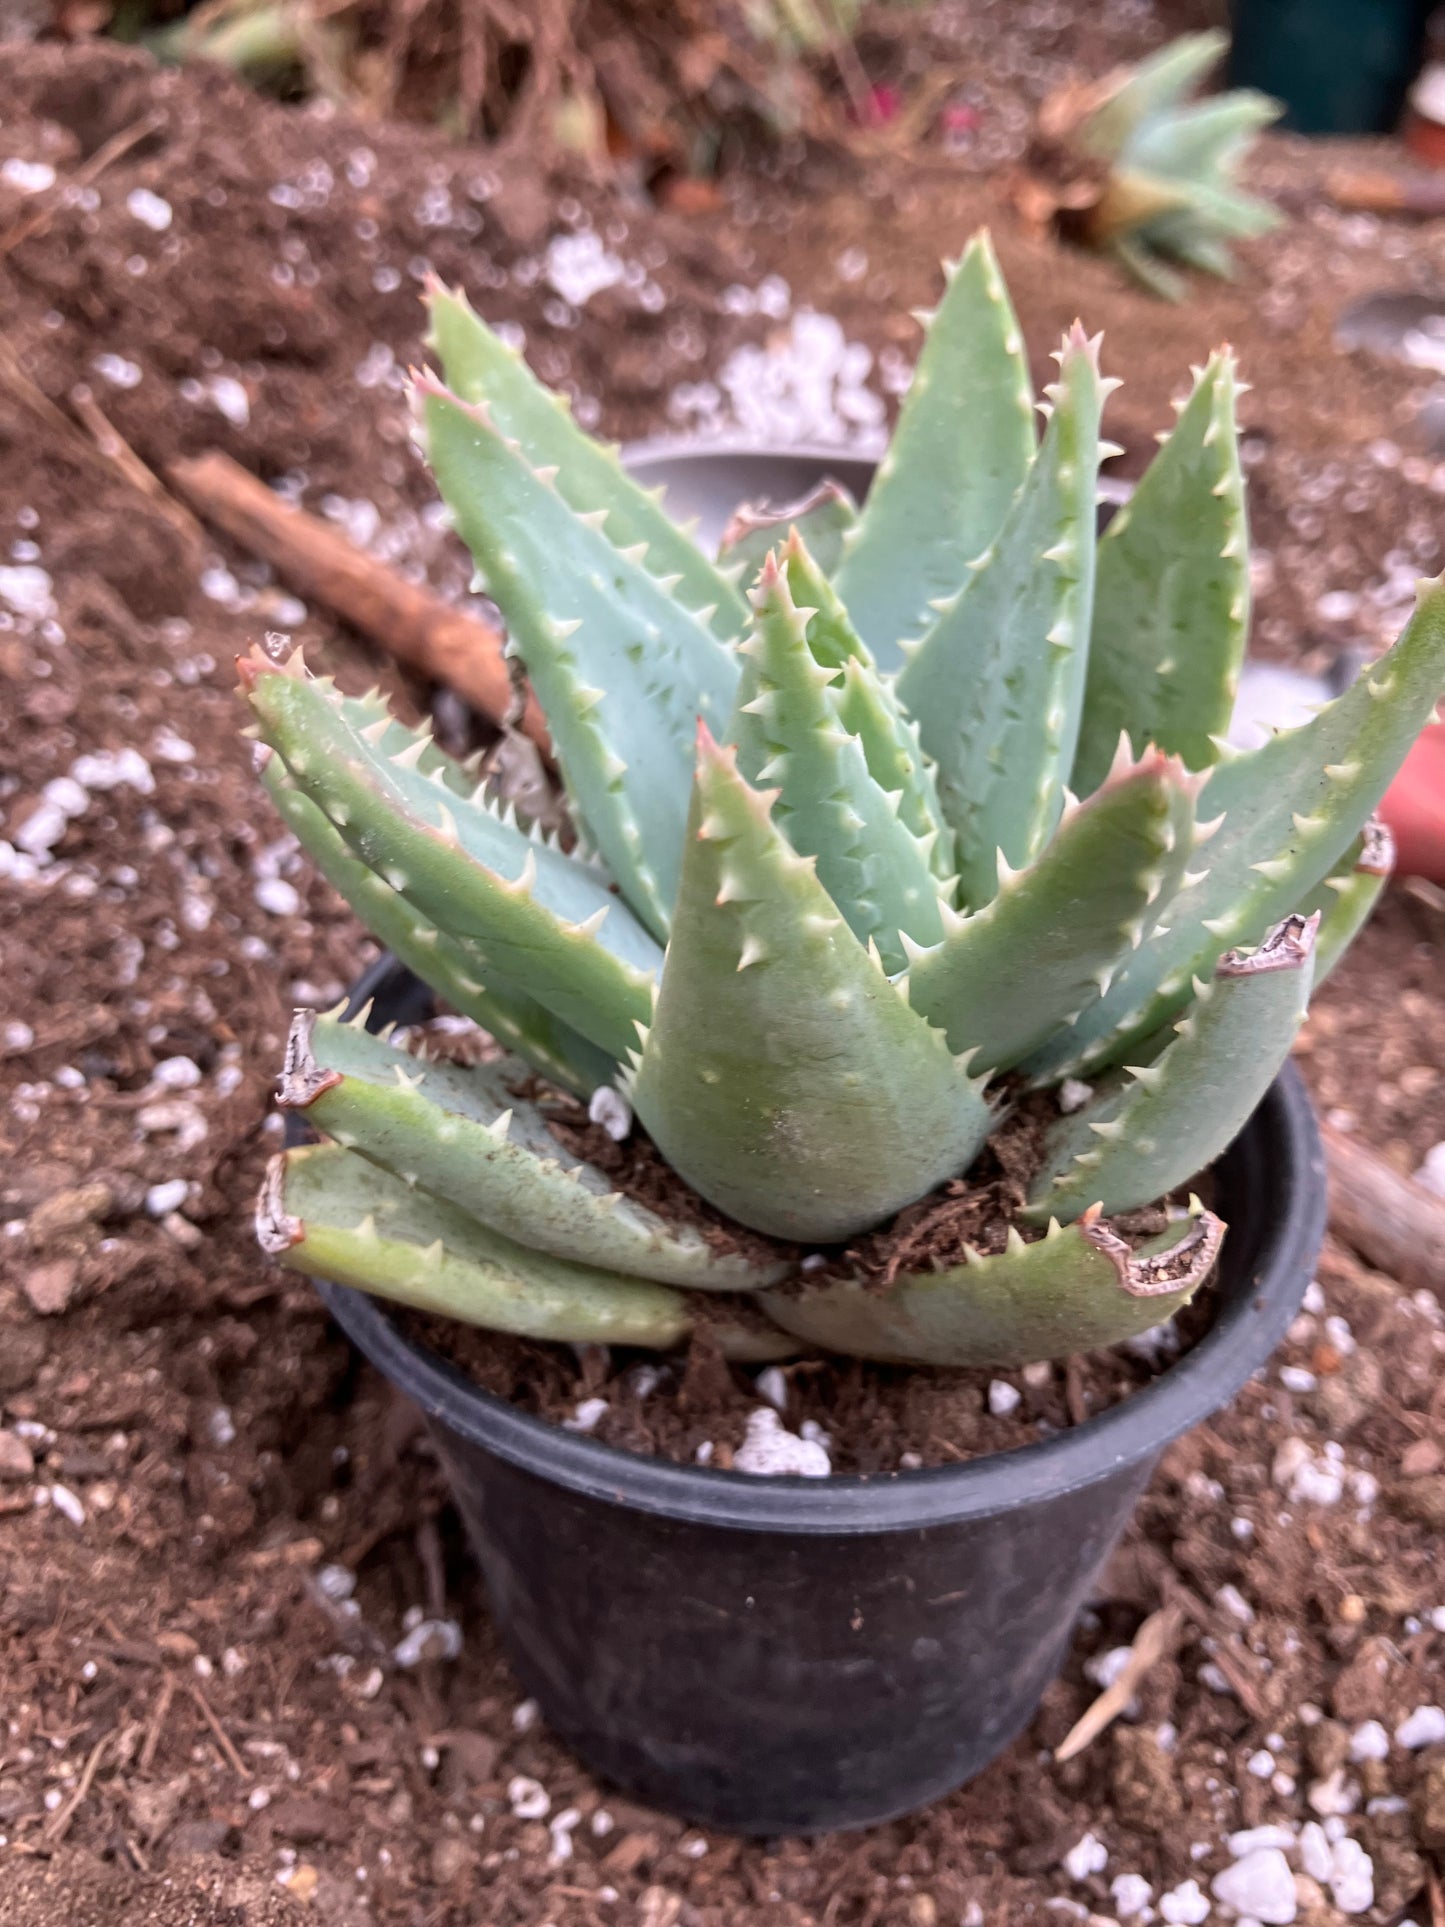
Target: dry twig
1153	1641
410	623
1394	1224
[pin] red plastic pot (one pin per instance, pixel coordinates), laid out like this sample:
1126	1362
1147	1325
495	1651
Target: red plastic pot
1414	807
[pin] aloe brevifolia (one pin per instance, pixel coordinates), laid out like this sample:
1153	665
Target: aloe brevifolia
1135	167
864	857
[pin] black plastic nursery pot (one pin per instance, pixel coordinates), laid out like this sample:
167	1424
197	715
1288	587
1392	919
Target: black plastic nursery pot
789	1655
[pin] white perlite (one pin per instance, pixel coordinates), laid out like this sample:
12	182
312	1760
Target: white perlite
1250	1839
149	209
1184	1905
586	1417
1369	1741
770	1450
1352	1882
1003	1398
610	1109
1424	1727
1432	1172
1087	1856
1132	1895
1260	1885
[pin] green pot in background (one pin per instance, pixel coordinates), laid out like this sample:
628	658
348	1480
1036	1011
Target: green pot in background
1339	66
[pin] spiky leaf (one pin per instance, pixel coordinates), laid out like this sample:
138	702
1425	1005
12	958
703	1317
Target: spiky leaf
621	669
470	1135
783	1076
516	904
787	733
1151	88
329	1213
1283	815
1070	1292
962	448
1051	940
517	1021
1165	1118
1171	594
997	683
480	367
1347	896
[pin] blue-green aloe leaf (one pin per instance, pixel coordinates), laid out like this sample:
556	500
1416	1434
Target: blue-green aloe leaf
1150	88
519	906
330	1213
480	367
963	445
997	684
1349	893
1171	594
1274	822
1051	941
517	1021
621	669
1156	1124
1071	1291
829	807
469	1134
783	1076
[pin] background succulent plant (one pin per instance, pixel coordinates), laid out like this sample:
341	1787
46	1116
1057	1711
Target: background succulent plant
1135	167
860	862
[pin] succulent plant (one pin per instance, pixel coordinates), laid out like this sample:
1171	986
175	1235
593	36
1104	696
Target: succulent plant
1132	166
861	866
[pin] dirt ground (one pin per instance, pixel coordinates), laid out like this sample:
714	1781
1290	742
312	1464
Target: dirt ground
215	1526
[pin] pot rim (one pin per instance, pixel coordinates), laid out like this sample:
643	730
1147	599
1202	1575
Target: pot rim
1250	1323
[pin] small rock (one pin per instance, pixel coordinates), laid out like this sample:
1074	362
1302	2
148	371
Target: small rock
470	1760
17	1461
70	1210
1424	1727
451	1857
1347	1397
305	1819
1432	1172
153	1808
1420	1458
1260	1886
22	1353
49	1288
1359	1692
200	1837
1146	1793
1421	1500
1327	1747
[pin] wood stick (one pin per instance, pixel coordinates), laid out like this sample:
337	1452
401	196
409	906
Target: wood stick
317	561
1395	1224
1384	192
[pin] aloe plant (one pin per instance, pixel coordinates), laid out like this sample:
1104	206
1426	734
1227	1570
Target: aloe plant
862	859
1135	167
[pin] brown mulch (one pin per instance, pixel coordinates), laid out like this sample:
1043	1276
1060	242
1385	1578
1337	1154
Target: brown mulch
212	1468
